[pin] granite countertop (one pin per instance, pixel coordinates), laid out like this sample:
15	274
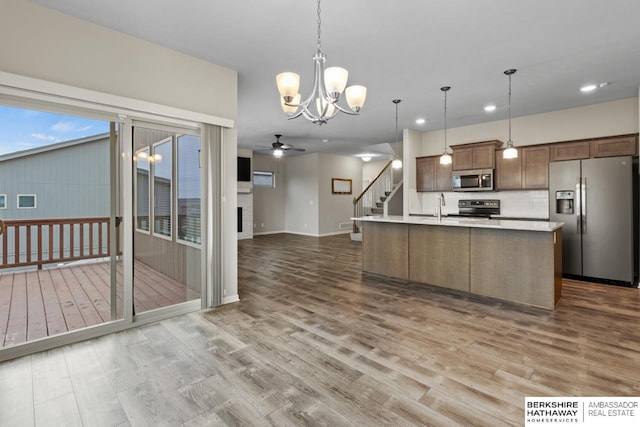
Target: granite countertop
502	224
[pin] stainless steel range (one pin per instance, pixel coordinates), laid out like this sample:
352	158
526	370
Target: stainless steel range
478	208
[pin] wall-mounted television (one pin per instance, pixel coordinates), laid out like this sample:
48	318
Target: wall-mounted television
244	169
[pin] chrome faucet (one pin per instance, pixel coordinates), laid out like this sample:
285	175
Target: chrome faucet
441	203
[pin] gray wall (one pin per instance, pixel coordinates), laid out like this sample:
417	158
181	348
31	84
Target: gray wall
68	182
269	204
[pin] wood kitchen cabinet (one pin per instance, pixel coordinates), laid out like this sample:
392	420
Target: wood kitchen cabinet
626	145
508	173
569	151
431	175
479	155
528	171
535	167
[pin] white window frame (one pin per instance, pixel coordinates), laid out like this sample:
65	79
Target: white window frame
135	186
259	172
3	197
152	208
177	169
35	201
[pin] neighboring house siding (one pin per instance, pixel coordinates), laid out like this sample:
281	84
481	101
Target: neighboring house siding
69	182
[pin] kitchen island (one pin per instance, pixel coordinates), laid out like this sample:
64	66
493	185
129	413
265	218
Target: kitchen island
517	261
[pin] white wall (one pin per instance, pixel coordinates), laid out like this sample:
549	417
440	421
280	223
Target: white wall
269	204
335	209
604	119
302	198
48	45
597	120
302	202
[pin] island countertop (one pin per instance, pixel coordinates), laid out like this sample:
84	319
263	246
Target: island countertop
512	260
503	224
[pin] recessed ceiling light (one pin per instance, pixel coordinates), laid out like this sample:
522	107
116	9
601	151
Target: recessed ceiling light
421	121
592	87
489	108
366	158
325	140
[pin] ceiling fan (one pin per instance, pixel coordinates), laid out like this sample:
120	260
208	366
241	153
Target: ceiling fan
279	148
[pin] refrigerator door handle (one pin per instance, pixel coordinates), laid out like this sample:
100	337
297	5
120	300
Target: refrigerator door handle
583	201
578	207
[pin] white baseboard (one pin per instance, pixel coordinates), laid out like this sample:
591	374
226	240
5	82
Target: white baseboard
303	234
264	233
230	299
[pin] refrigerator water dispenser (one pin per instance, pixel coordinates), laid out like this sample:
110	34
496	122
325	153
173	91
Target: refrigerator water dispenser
565	201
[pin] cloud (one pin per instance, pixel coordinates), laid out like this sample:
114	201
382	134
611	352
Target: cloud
44	137
25	144
84	128
63	127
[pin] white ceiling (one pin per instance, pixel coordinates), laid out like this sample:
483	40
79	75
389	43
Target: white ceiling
403	49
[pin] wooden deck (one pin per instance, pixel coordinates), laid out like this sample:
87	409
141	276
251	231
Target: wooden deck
40	303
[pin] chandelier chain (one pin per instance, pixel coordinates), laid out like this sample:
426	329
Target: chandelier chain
319	22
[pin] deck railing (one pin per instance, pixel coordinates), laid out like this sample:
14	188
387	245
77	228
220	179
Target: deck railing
28	242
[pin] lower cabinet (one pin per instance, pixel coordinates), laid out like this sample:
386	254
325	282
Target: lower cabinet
439	256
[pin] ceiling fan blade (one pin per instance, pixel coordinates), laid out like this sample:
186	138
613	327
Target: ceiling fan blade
297	149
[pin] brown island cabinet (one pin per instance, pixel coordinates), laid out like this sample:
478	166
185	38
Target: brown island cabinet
517	261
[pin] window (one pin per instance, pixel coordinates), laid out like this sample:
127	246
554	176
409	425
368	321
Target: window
3	201
188	188
162	159
263	179
142	189
26	201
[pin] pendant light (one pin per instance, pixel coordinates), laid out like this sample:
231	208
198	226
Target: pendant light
510	152
445	159
397	162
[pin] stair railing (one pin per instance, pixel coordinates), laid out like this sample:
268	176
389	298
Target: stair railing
366	201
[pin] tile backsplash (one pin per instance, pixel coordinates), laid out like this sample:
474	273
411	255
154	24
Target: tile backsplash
513	204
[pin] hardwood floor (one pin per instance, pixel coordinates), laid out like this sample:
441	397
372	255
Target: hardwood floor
41	303
314	342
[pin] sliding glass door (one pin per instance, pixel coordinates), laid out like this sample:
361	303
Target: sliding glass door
60	251
167	248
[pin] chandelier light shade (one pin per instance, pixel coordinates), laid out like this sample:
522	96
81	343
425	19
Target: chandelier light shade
445	159
328	86
397	162
510	152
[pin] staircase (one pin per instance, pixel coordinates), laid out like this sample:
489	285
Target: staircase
374	200
379	208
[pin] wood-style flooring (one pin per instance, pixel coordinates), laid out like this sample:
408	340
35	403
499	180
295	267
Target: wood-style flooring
41	303
314	342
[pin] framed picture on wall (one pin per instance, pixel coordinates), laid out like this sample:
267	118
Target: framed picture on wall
340	186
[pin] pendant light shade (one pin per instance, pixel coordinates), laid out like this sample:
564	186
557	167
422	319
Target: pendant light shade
510	152
445	159
397	162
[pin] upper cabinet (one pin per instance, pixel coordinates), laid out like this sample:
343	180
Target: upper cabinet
535	167
480	155
528	171
570	151
431	175
626	145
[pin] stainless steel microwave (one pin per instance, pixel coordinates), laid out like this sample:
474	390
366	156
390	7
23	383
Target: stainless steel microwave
473	180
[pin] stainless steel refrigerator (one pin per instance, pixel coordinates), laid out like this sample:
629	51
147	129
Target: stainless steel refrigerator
595	200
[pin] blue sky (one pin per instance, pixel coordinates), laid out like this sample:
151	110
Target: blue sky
22	129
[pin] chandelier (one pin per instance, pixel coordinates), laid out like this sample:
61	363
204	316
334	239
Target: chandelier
328	85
